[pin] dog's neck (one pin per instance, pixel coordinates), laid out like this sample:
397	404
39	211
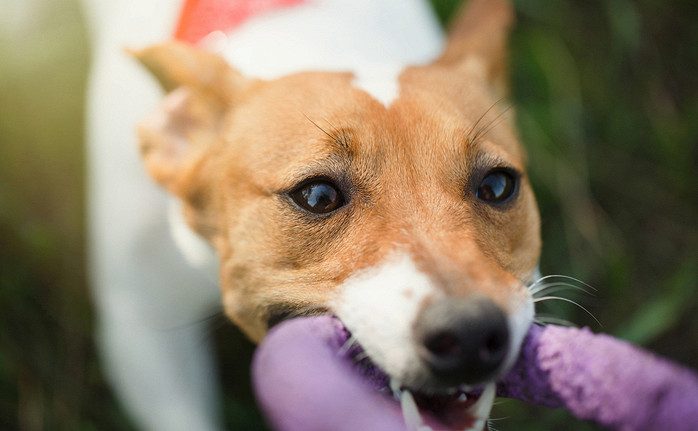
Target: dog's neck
373	39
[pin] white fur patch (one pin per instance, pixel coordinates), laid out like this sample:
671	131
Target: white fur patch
380	305
520	320
373	39
382	83
195	249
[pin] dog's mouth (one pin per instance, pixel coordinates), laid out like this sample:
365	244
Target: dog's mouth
462	408
458	408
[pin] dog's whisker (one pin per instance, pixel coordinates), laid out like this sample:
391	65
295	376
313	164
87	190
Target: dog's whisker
541	286
492	124
557	287
207	319
567	277
567	291
549	281
559	298
544	320
318	127
537	289
543	289
473	133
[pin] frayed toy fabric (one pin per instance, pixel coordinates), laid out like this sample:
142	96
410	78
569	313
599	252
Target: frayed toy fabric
303	382
599	378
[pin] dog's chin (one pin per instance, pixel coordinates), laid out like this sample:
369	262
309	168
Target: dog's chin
427	400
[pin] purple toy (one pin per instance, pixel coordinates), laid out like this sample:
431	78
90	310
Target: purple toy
303	383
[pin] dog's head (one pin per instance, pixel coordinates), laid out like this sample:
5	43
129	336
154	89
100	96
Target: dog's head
413	222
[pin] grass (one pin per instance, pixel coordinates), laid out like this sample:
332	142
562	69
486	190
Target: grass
606	98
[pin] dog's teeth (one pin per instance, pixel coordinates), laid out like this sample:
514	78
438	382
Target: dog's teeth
410	412
394	385
482	407
395	388
465	388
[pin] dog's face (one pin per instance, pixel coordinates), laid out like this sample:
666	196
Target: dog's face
410	221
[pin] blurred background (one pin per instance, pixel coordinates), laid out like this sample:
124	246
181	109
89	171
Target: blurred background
606	95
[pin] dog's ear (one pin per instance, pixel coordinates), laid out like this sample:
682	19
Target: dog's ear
478	38
176	64
202	88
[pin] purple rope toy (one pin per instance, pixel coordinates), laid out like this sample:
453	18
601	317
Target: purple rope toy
303	383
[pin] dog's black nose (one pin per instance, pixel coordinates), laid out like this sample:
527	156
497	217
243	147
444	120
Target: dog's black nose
462	341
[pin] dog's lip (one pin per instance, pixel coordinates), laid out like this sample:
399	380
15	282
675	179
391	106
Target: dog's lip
439	410
452	411
281	312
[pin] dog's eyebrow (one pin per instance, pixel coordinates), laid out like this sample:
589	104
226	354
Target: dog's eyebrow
339	138
479	129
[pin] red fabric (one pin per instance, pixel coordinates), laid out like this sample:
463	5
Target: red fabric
201	17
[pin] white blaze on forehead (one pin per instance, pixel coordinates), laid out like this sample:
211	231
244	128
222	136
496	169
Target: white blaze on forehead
373	39
382	83
379	307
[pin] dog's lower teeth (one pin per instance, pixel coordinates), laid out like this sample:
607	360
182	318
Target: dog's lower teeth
480	410
410	412
482	407
465	388
395	388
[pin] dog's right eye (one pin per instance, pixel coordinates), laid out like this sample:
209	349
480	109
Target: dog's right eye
318	197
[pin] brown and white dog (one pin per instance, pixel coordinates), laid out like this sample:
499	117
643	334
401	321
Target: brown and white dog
338	159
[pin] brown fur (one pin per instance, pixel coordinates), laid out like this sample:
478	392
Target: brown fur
231	148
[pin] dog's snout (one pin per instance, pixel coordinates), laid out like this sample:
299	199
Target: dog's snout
462	341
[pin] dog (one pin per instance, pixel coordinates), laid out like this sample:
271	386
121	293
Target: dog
318	157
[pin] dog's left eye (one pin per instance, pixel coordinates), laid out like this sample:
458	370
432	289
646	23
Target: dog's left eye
497	186
318	197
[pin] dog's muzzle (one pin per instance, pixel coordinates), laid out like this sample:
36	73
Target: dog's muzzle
462	341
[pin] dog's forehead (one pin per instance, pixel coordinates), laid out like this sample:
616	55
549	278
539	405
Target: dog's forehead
297	119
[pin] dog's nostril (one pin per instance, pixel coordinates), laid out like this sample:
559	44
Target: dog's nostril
494	347
462	341
443	344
